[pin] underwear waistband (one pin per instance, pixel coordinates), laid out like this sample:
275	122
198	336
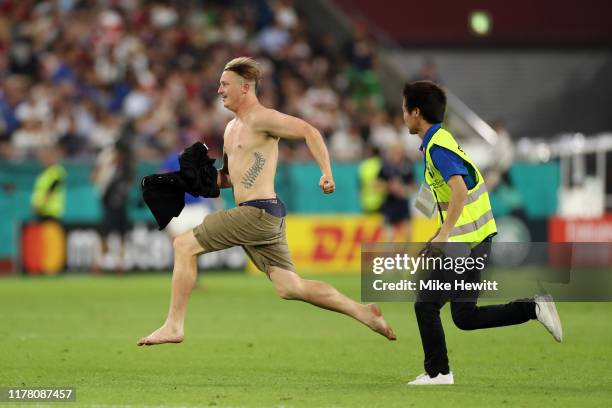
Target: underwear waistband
272	206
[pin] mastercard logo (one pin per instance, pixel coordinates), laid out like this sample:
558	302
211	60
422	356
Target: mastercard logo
43	248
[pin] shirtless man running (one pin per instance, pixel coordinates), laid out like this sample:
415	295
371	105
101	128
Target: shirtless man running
250	156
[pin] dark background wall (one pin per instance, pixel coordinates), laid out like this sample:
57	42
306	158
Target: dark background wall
545	67
516	22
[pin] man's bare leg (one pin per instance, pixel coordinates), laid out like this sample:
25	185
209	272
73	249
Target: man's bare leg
291	286
184	275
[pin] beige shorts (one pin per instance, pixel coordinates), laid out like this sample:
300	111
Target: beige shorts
261	235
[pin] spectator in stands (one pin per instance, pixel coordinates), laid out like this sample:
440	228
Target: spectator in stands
23	60
105	130
284	13
14	91
158	63
427	72
346	145
274	39
364	85
319	106
382	133
36	130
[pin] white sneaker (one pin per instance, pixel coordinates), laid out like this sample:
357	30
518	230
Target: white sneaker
546	312
440	379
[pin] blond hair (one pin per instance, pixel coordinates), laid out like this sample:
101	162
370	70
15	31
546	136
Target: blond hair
246	68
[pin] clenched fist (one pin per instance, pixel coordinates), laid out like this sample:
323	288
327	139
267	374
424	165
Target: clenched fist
327	184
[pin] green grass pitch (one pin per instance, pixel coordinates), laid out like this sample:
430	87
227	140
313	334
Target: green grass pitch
245	347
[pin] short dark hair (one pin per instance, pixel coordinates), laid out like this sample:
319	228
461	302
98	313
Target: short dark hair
428	97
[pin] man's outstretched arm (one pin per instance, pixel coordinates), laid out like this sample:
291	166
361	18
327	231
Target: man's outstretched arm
289	127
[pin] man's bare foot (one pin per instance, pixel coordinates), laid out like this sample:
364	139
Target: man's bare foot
164	334
378	322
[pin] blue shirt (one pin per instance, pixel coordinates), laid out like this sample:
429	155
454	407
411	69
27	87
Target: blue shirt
448	163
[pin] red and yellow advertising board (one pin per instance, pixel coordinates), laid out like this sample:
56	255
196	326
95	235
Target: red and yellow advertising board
332	243
318	244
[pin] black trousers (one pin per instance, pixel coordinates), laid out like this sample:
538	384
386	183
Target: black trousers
466	315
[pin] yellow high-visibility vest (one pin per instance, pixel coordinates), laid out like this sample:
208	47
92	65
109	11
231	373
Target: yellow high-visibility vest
371	197
54	205
476	221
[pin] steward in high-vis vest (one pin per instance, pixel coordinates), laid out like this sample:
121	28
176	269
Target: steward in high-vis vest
49	194
371	197
464	215
475	223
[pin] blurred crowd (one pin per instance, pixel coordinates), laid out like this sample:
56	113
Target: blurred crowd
74	72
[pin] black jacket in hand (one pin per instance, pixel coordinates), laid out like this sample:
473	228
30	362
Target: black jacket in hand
164	194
